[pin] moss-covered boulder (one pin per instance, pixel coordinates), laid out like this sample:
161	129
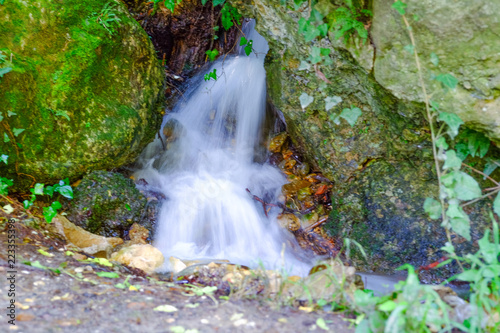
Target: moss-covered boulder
84	84
107	204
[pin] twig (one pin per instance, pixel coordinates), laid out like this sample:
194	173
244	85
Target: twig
315	224
481	173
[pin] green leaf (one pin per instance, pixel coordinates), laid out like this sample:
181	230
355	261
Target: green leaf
452	161
409	48
399	6
4	71
434	59
470	275
4	158
447	80
351	115
466	187
387	306
305	100
320	322
56	205
1	116
49	213
10	113
62	113
315	55
6	138
441	143
304	65
38	190
212	54
478	142
243	41
110	275
218	2
489	250
248	47
66	191
166	308
17	131
433	208
203	2
311	33
496	205
452	120
490	166
461	226
128	207
330	102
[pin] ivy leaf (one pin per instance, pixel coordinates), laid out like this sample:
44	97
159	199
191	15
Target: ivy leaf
399	7
212	54
351	115
4	158
243	41
1	117
315	55
305	100
248	48
478	142
447	80
218	2
203	2
4	71
323	29
452	161
66	191
110	275
38	189
452	120
434	59
311	33
10	113
330	102
6	138
17	131
433	208
496	205
491	166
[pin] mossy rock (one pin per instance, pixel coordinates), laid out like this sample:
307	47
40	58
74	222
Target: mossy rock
85	86
107	204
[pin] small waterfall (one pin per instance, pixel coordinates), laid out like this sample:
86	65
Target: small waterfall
205	162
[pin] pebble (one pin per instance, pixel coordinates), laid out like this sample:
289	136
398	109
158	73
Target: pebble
204	321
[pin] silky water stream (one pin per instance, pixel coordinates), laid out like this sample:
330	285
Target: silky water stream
204	165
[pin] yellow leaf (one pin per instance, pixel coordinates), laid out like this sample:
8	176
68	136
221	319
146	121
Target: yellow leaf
306	309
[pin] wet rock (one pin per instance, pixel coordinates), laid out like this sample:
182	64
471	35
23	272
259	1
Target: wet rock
87	95
293	187
142	256
137	234
107	204
326	280
86	241
289	222
277	142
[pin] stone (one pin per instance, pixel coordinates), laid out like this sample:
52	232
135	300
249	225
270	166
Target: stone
277	142
84	240
88	96
289	222
107	203
142	256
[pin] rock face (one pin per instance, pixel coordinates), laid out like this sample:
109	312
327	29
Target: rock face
465	37
382	167
85	85
107	204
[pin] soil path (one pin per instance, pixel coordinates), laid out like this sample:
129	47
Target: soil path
50	302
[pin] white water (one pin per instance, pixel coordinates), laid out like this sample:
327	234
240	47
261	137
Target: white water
208	165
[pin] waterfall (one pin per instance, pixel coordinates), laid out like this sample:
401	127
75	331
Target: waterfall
205	162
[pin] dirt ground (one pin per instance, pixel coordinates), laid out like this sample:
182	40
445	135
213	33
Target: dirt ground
48	301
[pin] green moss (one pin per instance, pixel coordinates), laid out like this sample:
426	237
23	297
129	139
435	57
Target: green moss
66	62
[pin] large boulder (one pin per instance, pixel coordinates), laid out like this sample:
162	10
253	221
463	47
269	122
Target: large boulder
382	166
85	85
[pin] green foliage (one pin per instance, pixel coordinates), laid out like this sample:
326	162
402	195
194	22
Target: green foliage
346	21
5	65
248	45
50	212
211	75
108	20
4	184
230	14
170	4
212	54
412	307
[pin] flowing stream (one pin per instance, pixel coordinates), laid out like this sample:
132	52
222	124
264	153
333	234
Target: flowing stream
206	161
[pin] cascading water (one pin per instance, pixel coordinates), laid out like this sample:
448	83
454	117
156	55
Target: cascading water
204	164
